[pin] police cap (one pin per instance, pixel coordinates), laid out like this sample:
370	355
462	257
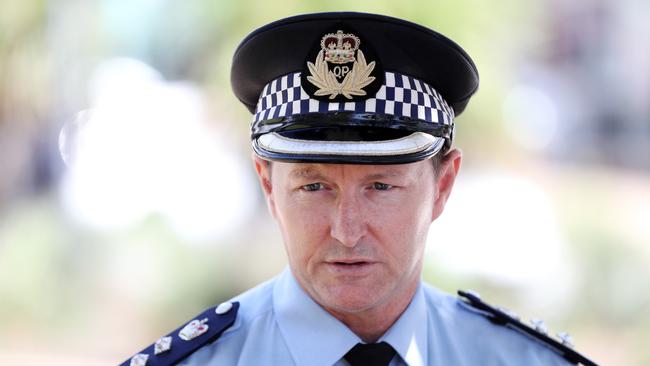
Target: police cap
351	88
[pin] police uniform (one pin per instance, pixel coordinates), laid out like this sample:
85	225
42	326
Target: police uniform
360	89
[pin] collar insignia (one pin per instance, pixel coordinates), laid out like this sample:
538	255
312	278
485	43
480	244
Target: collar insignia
139	360
162	345
194	329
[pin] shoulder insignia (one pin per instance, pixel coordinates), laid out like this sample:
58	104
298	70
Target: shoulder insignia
538	330
177	345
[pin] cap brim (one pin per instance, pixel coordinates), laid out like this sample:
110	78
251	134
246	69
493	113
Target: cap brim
413	147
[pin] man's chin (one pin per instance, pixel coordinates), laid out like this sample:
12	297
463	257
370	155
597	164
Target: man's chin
349	299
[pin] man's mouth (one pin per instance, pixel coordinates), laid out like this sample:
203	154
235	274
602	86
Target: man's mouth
350	267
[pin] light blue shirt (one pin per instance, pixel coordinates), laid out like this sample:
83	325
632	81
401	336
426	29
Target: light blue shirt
279	324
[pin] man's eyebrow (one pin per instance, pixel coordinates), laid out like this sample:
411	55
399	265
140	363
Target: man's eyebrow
308	173
385	174
311	173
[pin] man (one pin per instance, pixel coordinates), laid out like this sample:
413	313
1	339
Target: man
352	133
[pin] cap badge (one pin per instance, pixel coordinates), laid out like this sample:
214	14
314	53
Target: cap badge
339	49
193	329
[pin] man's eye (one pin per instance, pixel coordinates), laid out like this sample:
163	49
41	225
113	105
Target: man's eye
312	187
381	186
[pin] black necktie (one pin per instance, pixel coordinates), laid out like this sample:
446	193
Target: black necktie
372	354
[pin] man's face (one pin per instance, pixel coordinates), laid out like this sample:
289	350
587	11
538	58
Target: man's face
354	234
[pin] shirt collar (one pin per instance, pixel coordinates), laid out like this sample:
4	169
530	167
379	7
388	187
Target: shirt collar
408	335
328	339
314	337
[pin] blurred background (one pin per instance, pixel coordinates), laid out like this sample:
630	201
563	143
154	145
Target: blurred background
157	214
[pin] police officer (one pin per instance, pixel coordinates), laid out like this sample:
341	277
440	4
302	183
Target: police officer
352	133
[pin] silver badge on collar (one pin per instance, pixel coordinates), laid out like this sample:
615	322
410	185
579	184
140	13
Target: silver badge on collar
162	345
194	329
139	360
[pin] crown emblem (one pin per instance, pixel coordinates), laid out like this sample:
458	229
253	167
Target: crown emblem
339	47
193	329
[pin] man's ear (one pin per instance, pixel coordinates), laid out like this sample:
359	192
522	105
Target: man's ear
263	169
445	178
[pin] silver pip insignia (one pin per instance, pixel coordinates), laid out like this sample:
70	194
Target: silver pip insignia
194	329
139	360
164	344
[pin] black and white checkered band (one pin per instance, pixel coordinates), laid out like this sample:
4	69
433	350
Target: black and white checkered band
399	96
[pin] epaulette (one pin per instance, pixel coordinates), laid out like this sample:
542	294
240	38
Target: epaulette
182	342
538	332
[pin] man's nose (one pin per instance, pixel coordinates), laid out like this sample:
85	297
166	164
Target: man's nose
349	220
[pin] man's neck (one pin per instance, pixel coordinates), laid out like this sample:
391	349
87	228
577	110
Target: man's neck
372	324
